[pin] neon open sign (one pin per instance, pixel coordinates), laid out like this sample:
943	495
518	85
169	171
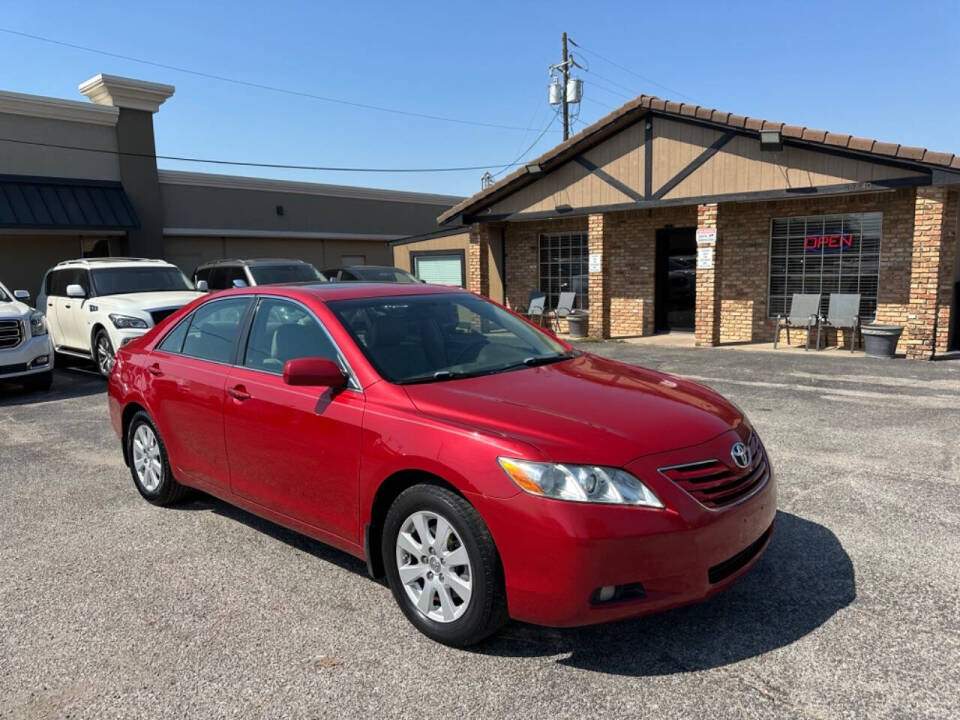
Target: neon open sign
828	243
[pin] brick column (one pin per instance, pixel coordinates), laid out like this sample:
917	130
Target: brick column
597	232
948	258
707	330
929	226
478	259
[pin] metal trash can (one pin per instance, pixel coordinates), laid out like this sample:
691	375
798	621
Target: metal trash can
577	322
880	341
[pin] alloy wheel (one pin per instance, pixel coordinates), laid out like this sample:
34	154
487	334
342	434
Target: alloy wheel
146	458
105	357
434	566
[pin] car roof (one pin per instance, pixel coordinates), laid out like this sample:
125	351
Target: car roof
112	262
253	261
329	291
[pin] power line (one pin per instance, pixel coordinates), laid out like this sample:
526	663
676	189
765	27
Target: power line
281	166
522	155
628	70
261	86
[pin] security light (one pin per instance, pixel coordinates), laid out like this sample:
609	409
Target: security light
771	140
534	169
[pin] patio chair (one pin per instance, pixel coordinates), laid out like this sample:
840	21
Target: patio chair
843	311
804	311
563	309
538	301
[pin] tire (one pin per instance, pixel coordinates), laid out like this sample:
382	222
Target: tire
40	382
103	352
458	624
153	478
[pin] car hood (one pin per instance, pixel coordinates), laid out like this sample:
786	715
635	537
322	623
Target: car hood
13	310
150	300
584	410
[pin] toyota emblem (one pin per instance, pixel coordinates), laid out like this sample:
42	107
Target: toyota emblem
740	454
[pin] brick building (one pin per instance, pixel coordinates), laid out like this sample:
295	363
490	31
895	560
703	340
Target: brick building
666	216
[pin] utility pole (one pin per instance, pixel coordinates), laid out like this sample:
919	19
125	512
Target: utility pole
566	77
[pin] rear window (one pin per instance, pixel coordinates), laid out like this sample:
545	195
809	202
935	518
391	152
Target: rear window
277	274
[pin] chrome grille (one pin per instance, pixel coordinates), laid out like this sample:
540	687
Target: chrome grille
11	334
716	484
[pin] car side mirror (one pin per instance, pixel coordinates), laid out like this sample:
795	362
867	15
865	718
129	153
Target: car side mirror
203	286
76	291
239	283
314	371
21	294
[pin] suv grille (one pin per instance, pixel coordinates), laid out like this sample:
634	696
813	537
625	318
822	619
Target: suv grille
716	484
159	316
11	334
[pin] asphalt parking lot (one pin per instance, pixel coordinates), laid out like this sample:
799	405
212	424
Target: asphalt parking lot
110	607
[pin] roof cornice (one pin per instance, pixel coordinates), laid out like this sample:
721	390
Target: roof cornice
57	109
123	92
239	182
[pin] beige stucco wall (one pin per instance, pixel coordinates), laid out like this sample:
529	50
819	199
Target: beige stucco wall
25	258
24	159
401	253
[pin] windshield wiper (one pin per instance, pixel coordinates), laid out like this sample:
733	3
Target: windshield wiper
535	360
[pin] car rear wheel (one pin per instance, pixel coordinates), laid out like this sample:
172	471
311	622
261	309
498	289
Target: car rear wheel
103	353
149	464
443	567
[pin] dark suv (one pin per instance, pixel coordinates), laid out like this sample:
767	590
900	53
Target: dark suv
370	273
224	274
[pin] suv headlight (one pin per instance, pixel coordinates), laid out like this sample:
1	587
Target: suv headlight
38	324
579	483
127	322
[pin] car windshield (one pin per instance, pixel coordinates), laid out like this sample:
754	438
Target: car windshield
429	338
119	281
276	274
4	295
384	274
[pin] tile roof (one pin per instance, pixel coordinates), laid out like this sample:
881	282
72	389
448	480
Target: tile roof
612	122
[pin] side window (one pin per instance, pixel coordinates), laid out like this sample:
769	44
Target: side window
284	331
215	328
173	342
218	278
56	283
234	272
203	274
82	278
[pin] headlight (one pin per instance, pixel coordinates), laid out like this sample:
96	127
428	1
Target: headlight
38	324
579	483
126	322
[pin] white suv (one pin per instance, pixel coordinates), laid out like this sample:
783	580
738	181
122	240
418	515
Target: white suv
26	355
95	306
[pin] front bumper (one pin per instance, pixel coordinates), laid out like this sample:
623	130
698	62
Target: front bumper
20	361
557	554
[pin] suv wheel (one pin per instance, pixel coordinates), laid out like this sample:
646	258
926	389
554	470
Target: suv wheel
149	464
443	567
103	352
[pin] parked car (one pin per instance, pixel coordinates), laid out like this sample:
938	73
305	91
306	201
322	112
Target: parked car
26	355
370	273
95	306
488	469
225	274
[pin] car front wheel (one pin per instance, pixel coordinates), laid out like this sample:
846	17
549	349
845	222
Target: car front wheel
103	353
443	567
149	464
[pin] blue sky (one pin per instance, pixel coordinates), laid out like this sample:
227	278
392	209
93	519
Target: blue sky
886	70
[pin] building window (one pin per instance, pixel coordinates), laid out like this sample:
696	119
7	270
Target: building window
563	267
825	254
440	267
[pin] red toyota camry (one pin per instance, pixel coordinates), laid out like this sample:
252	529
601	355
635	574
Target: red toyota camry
486	468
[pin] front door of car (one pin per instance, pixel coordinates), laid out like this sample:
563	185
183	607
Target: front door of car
70	311
189	369
295	450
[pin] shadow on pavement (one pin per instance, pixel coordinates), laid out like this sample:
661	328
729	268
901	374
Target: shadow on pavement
68	382
802	580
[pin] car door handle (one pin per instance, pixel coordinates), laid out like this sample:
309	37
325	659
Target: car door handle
155	370
49	304
67	307
239	392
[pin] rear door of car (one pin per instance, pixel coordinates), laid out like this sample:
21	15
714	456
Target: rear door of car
54	285
70	313
188	373
295	450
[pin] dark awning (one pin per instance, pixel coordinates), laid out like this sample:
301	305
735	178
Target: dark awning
64	204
